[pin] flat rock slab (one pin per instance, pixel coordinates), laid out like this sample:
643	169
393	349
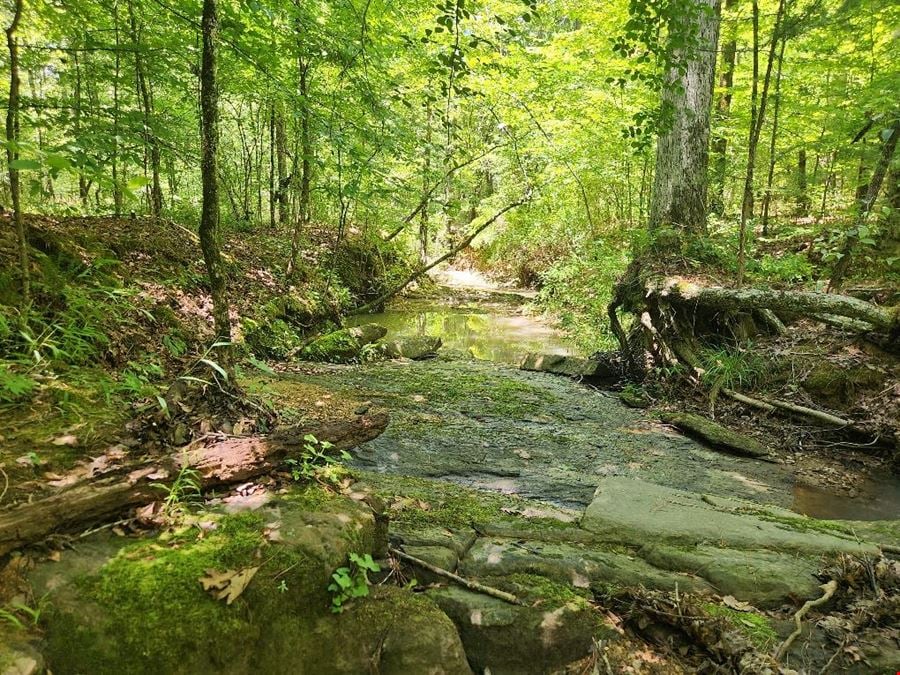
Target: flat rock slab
636	512
716	435
560	364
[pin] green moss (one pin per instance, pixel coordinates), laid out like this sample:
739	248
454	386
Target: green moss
270	339
533	587
148	601
756	627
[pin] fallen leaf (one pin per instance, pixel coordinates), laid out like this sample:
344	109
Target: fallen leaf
67	439
734	603
227	585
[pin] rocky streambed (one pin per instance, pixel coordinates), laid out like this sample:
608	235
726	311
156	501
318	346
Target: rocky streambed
525	482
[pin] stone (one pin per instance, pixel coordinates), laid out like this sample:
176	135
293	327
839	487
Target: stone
116	606
415	348
635	512
580	566
506	639
715	434
344	345
559	364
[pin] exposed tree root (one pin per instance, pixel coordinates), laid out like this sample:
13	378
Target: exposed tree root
828	591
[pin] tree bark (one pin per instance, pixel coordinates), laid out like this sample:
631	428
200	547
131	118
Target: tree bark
12	154
723	109
306	150
682	151
757	116
100	491
150	139
803	201
865	208
767	199
209	218
116	187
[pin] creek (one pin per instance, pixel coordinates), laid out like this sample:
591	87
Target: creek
471	417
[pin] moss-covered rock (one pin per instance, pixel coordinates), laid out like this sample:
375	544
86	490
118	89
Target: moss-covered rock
715	434
415	348
503	638
838	385
344	345
141	609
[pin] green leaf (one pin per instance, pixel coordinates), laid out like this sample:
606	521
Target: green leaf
25	165
215	366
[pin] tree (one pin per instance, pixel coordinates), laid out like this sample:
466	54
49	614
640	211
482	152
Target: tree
12	155
679	196
209	143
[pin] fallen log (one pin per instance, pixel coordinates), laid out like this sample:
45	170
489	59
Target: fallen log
717	436
103	489
800	303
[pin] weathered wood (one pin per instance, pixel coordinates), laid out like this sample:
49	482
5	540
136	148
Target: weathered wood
716	435
801	303
103	489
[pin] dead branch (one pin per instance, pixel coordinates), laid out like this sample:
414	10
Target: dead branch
471	585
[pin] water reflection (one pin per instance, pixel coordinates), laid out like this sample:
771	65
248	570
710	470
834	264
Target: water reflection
877	500
499	335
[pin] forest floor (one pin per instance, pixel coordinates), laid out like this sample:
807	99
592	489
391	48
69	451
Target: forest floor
608	522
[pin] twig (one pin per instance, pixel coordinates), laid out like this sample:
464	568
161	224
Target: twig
5	484
828	591
471	585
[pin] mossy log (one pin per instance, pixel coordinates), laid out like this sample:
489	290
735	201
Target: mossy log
716	435
110	485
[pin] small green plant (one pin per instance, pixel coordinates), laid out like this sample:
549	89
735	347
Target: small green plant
20	615
351	581
183	491
318	463
732	368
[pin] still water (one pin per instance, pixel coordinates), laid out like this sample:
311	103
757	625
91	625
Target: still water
501	334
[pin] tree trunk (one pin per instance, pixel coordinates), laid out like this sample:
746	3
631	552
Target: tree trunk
150	139
723	109
90	498
12	154
757	117
82	180
426	169
281	165
803	201
865	208
209	218
767	199
682	151
116	187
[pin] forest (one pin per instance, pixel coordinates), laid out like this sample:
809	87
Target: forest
468	336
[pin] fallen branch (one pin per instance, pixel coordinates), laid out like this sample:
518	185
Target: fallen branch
828	590
771	405
471	585
379	301
96	492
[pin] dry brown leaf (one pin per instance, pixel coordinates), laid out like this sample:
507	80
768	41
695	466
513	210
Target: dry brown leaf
227	585
67	439
735	604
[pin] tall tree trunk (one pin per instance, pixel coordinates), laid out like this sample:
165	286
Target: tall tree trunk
150	139
82	179
12	154
803	201
281	164
723	109
272	194
209	219
757	116
865	208
767	199
682	151
117	187
306	151
426	169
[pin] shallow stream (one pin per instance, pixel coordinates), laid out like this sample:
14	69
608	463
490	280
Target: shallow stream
471	417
